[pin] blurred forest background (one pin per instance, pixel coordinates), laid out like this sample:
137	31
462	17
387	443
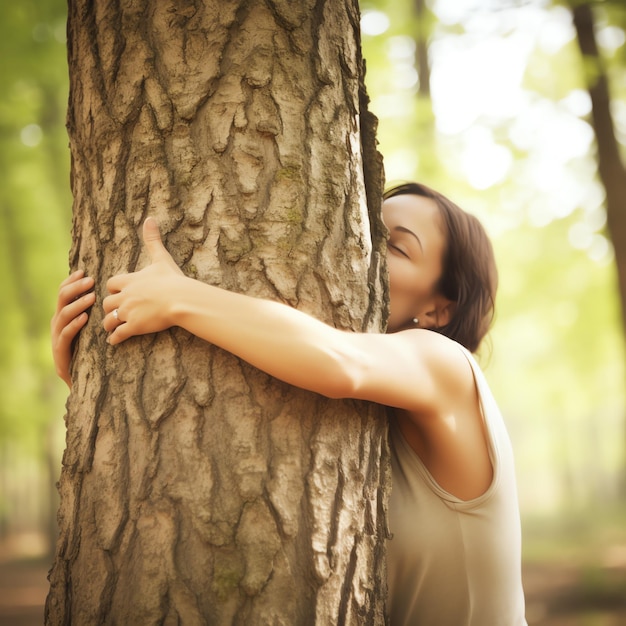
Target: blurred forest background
485	100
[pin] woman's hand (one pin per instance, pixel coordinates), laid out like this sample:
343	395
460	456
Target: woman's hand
70	316
140	302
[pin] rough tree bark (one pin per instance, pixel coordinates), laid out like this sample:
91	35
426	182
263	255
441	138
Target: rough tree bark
195	489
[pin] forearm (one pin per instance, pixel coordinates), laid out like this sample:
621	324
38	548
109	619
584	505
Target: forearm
277	339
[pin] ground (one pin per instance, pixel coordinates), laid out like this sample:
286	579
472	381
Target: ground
562	595
23	590
557	595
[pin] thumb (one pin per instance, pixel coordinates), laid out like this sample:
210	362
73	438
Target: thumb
152	240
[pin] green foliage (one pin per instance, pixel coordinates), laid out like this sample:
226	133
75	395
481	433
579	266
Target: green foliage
557	362
35	212
556	357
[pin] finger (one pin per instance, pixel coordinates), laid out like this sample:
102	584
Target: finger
70	290
112	302
152	240
73	277
113	318
72	310
111	322
70	330
116	283
62	345
119	334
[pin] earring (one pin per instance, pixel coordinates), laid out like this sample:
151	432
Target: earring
415	321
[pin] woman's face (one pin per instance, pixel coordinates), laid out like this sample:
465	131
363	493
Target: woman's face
414	258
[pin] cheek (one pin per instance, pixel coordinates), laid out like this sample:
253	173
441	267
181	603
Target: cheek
408	286
403	277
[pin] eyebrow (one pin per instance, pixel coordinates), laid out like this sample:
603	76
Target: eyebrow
402	229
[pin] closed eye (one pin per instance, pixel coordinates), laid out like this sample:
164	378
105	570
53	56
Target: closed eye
402	252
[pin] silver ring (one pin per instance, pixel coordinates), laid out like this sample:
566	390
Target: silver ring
115	314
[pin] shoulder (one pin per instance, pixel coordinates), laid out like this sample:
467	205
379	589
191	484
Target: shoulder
437	350
448	362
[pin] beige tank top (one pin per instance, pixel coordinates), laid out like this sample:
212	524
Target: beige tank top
453	562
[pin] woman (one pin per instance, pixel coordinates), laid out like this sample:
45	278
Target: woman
454	558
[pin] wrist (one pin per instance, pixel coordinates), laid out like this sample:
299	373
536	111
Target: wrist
180	300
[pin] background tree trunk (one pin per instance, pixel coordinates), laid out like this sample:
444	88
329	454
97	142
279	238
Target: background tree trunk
611	168
195	489
610	165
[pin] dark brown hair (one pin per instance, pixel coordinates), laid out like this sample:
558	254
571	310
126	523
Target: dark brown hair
469	276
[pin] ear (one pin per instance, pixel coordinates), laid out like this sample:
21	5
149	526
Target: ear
440	313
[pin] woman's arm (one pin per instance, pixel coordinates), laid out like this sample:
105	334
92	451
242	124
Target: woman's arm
397	369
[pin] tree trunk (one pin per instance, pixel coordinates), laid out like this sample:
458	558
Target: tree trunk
424	125
422	60
610	165
195	489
